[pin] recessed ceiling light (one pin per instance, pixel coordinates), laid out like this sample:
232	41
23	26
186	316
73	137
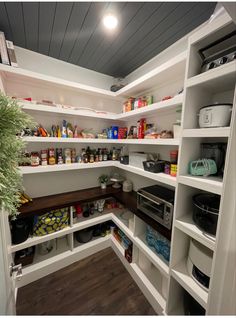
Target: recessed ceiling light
110	21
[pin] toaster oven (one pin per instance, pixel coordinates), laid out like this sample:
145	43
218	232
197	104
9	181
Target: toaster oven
158	203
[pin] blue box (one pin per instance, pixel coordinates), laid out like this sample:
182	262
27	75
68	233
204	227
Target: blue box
114	130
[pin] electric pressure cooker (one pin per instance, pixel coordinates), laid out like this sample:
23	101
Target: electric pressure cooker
199	263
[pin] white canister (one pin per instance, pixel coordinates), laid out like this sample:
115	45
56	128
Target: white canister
177	131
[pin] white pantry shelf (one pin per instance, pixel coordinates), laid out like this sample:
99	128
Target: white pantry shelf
60	258
66	111
26	76
153	109
216	80
173	68
160	177
211	184
147	111
186	225
207	132
34	240
182	276
64	167
152	256
150	292
159	141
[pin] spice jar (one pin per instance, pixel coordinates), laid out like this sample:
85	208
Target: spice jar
34	159
44	157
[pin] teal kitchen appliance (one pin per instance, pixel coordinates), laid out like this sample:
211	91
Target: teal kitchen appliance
202	167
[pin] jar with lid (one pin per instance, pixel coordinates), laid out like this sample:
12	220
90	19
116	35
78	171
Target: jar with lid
67	154
44	157
34	159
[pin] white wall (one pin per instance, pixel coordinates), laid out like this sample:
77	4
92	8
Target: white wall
39	63
3	294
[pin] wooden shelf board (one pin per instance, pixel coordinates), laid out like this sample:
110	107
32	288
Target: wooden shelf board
216	80
186	225
207	132
211	184
47	203
181	274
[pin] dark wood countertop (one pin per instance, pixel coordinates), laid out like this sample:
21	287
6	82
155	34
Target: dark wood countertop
61	200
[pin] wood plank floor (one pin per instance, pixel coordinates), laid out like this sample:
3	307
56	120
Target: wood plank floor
97	285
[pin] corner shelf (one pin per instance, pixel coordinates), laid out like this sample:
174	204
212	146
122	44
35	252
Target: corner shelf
211	184
160	177
207	132
164	73
182	276
186	225
147	111
153	109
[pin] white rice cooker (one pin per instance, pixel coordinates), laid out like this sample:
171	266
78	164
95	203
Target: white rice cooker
216	115
199	263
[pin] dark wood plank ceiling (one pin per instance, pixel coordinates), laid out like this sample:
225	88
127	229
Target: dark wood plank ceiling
74	32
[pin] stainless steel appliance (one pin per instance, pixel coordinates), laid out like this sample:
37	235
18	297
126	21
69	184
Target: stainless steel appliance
219	52
158	203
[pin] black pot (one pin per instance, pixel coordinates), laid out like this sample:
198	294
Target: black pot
192	307
206	211
20	230
84	236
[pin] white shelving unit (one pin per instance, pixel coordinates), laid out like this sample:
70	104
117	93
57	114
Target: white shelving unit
158	142
163	284
200	90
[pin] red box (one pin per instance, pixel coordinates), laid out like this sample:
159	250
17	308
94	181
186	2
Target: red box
122	132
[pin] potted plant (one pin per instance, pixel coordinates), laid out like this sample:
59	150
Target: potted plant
12	121
103	179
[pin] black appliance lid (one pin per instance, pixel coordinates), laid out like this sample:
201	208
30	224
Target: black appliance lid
207	202
160	192
217	104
